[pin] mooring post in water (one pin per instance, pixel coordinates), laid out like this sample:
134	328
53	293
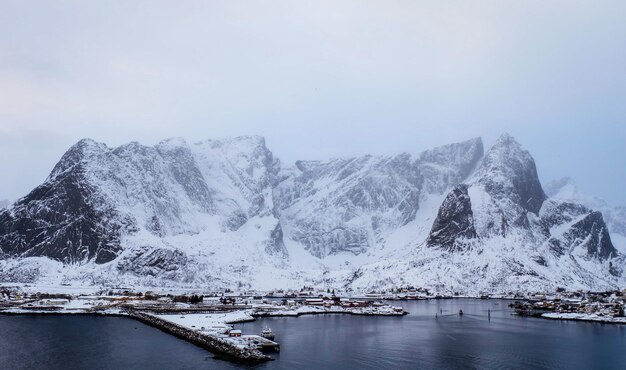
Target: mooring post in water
489	314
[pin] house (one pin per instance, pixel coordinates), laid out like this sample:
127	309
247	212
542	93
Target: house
211	300
55	302
354	304
314	302
164	300
254	300
234	333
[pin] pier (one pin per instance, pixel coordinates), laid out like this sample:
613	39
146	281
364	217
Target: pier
205	324
218	346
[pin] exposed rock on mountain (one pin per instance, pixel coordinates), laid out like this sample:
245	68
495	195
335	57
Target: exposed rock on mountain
504	190
351	205
455	220
500	223
223	213
565	190
67	218
508	172
96	196
571	226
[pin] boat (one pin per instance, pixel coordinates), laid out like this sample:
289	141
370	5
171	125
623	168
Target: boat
267	333
460	312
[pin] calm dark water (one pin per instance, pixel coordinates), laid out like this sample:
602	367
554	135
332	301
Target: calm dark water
416	341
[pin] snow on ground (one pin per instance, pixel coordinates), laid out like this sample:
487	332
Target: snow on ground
311	310
209	322
198	250
584	317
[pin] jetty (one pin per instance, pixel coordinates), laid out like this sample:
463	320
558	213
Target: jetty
221	347
204	320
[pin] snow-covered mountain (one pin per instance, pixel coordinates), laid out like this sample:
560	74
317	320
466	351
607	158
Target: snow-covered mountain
4	203
225	213
159	212
566	190
497	230
353	205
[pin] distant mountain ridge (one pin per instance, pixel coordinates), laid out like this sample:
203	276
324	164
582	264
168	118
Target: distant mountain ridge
227	213
566	190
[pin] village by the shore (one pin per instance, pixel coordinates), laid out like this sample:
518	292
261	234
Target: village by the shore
204	319
207	318
603	307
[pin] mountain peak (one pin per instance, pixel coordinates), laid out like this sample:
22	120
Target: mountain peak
181	214
471	147
507	145
505	151
82	151
87	145
509	171
173	143
238	141
507	139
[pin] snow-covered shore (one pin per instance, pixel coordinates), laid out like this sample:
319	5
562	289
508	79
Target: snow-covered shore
315	310
218	323
584	317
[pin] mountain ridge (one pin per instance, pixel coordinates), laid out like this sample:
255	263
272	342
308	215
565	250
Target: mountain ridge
565	189
225	212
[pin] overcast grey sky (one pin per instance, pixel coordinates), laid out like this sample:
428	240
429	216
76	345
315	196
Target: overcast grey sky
318	79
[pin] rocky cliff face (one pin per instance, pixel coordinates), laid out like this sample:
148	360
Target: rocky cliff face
572	226
565	190
508	174
505	198
455	221
352	205
505	189
97	196
224	213
499	229
67	218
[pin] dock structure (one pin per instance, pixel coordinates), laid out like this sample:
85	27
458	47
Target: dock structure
216	345
262	344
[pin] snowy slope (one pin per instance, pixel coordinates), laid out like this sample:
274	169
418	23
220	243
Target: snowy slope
565	190
177	212
499	232
224	213
353	205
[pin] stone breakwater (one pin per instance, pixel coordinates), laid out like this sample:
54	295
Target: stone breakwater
221	348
